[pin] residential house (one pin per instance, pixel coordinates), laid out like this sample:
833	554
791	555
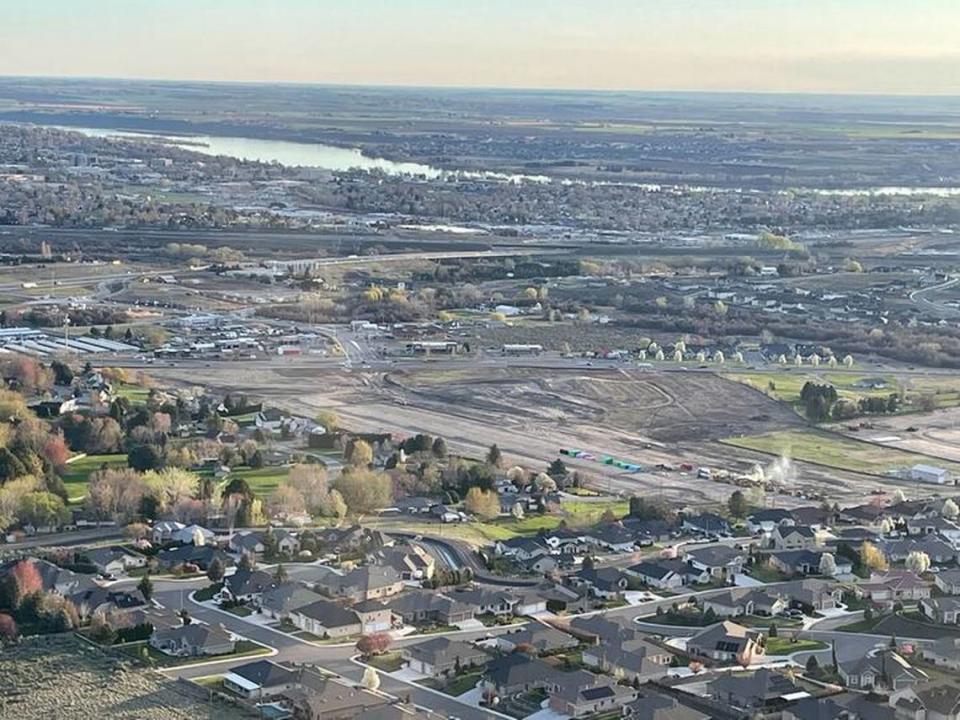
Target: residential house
651	705
191	534
427	607
517	673
586	694
944	651
411	561
485	601
114	561
655	574
944	610
246	586
706	524
164	530
928	701
193	640
326	619
744	601
522	548
279	601
613	537
530	602
54	578
720	561
441	657
374	616
750	691
935	547
805	562
727	642
603	582
317	697
894	586
368	582
542	638
812	595
885	669
199	556
287	543
765	521
93	599
247	542
260	680
936	525
793	537
948	581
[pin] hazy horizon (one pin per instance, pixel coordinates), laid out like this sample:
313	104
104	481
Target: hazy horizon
879	47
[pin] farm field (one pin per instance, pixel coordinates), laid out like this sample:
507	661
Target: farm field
834	450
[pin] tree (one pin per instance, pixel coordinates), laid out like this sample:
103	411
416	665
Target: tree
215	571
328	420
370	679
145	457
812	666
949	509
484	503
280	574
557	470
543	484
439	448
359	453
245	562
737	504
115	494
21	582
494	456
917	561
364	490
8	629
145	586
374	644
334	505
43	509
311	483
773	632
828	565
872	558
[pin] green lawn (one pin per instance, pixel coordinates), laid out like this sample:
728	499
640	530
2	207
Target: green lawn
785	646
388	662
136	394
244	648
834	450
263	481
78	473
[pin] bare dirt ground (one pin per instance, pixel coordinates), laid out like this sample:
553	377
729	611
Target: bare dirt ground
936	434
642	417
63	677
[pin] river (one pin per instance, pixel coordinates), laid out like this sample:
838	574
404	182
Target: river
337	159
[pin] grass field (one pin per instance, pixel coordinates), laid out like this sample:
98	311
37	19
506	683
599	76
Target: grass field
78	473
136	394
786	385
263	481
832	450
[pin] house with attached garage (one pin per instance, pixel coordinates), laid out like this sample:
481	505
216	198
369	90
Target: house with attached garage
885	669
374	616
368	582
442	657
944	651
936	548
894	586
655	574
727	642
604	582
542	638
720	561
422	607
164	530
944	610
522	548
812	595
793	537
948	581
193	640
247	542
259	680
939	700
485	601
585	694
279	601
805	562
765	521
706	524
246	586
744	601
947	529
114	561
326	619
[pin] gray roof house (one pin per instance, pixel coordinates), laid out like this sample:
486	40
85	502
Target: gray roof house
442	656
193	640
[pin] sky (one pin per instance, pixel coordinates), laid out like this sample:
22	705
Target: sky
848	46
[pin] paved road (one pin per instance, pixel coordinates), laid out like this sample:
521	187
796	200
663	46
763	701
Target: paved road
336	659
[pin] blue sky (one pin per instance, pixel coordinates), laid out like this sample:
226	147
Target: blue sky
769	45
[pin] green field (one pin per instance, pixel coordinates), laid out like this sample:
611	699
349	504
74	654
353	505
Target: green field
832	450
787	384
263	481
78	473
136	394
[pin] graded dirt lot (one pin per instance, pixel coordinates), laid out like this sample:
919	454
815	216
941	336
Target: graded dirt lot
935	434
62	677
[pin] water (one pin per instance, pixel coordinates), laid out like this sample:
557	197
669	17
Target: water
337	159
293	154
